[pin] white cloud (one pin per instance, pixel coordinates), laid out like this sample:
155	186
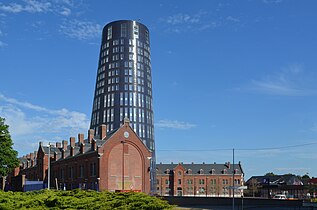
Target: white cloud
196	22
13	8
233	19
81	30
182	19
290	81
2	44
35	6
292	170
272	1
175	124
181	22
46	123
31	6
65	11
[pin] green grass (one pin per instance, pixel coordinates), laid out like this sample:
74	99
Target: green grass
79	199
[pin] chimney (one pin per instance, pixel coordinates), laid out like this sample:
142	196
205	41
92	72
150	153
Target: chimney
80	138
58	145
63	153
82	151
72	141
72	152
64	143
90	135
93	145
103	131
32	156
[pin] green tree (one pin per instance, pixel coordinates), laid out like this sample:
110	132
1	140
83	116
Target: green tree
270	174
306	176
8	156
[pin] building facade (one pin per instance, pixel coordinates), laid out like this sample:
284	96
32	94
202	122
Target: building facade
268	186
124	80
199	179
115	161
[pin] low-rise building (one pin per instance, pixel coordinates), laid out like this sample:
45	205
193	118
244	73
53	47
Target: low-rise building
199	179
268	186
117	161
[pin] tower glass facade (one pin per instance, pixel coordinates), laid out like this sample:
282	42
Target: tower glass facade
124	80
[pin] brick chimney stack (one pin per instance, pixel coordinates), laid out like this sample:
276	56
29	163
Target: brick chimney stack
72	151
80	138
72	141
103	131
64	143
90	135
32	156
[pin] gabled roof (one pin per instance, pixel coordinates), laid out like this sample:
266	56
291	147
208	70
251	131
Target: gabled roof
277	180
204	168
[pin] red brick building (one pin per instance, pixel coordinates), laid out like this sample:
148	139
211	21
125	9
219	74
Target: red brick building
198	179
115	161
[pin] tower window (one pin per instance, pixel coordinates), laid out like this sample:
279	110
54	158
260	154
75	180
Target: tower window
136	31
109	35
123	30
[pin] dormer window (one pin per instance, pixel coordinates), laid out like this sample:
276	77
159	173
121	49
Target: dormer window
189	171
224	171
167	171
201	171
213	171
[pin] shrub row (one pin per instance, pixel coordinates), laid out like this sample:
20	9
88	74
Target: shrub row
79	199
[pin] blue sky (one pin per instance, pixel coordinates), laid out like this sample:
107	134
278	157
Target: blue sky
226	74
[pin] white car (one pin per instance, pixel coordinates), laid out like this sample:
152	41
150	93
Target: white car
280	197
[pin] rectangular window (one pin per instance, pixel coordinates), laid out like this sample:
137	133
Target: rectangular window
109	34
123	30
179	181
136	31
81	171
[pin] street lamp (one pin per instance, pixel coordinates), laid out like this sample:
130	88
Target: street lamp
49	166
151	176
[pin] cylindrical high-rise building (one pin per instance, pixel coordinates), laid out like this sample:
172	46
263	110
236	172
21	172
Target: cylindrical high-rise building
124	80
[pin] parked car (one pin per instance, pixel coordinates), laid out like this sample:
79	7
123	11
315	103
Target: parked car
280	197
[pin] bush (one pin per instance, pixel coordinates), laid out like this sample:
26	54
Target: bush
79	199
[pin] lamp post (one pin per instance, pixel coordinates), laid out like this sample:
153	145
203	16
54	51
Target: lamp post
233	179
49	166
151	178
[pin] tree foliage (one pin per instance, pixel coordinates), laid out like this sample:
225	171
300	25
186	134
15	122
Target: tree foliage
8	156
80	199
270	174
